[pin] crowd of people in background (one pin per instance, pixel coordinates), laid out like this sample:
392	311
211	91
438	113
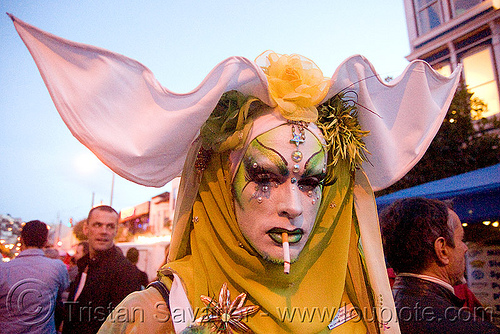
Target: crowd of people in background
63	293
423	242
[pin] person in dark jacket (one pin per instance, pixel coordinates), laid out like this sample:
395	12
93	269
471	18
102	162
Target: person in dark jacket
104	278
423	242
133	257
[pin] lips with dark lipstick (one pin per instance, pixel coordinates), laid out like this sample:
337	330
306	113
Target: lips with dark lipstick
294	236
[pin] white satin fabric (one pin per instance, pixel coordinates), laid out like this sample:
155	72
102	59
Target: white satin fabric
142	131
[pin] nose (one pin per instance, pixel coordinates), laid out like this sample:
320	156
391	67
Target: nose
290	204
103	230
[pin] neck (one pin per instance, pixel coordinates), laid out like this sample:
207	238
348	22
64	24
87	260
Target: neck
430	279
23	248
439	272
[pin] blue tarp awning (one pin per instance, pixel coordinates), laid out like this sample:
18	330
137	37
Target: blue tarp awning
475	195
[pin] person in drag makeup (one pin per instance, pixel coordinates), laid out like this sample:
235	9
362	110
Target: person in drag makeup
275	229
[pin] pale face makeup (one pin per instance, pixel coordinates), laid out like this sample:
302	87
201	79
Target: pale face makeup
274	194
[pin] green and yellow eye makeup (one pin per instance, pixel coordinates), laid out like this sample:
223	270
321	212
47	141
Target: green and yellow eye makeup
276	194
264	167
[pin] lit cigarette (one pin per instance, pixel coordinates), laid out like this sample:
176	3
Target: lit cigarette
286	252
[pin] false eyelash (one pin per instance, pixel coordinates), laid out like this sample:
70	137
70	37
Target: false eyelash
308	182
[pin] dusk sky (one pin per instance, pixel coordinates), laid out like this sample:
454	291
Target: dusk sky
46	174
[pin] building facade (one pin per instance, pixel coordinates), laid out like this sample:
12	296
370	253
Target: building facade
448	32
149	219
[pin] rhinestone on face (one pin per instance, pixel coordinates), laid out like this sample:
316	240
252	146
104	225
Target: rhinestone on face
259	200
310	193
265	188
297	156
293	180
314	201
296	168
255	165
298	138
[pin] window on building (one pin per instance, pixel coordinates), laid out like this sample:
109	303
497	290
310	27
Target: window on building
461	6
443	69
429	15
479	76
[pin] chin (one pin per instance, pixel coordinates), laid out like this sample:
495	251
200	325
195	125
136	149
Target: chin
103	248
279	258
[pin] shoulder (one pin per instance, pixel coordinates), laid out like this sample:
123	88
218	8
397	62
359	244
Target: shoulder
147	297
427	307
55	263
140	312
56	269
5	265
58	263
123	267
115	261
118	257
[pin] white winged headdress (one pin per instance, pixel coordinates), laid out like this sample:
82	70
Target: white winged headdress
107	100
104	97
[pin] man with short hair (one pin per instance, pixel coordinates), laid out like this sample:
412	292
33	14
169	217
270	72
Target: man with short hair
423	242
31	284
104	278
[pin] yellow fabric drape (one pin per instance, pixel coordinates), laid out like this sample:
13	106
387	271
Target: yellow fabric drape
306	300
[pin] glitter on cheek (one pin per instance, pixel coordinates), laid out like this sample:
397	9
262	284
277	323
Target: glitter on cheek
261	192
316	195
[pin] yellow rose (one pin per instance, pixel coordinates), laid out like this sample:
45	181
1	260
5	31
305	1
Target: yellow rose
296	84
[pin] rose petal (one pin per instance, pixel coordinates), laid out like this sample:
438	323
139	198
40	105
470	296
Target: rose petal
296	84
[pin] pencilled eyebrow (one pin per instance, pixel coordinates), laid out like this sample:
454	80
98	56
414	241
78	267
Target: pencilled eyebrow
272	155
310	167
